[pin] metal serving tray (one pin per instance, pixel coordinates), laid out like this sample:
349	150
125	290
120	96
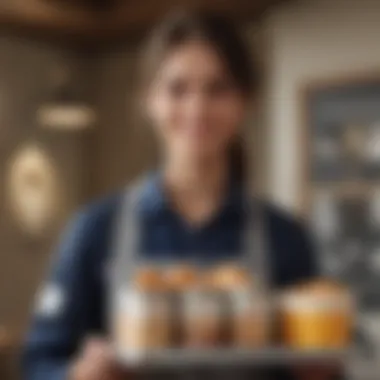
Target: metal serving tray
174	358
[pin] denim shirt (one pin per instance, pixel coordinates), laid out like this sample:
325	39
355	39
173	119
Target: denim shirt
77	283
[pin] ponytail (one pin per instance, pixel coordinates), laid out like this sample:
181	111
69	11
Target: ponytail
237	160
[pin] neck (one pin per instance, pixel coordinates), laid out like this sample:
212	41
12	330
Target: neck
196	191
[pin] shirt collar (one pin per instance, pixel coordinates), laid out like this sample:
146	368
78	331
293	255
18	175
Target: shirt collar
154	201
153	198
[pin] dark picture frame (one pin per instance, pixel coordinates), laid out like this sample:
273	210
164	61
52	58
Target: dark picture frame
341	158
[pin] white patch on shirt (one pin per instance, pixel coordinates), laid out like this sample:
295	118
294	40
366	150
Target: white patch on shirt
50	302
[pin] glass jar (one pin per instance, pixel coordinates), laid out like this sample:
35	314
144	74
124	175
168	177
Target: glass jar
317	316
250	318
203	318
248	307
181	280
142	319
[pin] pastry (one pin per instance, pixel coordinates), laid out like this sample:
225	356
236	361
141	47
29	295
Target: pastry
248	310
143	314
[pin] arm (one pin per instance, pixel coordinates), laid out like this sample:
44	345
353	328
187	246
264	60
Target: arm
62	317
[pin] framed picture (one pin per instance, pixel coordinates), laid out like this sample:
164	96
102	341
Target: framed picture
340	132
341	189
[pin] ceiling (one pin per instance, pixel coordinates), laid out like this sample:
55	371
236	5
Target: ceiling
105	20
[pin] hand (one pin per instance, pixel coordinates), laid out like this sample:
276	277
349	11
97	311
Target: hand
96	362
317	372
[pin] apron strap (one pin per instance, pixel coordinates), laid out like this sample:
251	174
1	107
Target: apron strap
256	255
123	261
127	233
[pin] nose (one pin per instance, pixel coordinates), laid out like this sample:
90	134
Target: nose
196	107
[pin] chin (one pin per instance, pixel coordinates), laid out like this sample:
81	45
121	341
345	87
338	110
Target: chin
203	160
202	150
199	151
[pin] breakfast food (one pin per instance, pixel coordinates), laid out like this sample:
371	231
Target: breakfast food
229	277
317	315
198	310
143	316
203	318
150	280
248	309
183	307
182	280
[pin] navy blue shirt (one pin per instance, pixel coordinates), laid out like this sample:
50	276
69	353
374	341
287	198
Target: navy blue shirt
78	281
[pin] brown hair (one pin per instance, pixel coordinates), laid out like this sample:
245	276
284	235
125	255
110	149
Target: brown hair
222	35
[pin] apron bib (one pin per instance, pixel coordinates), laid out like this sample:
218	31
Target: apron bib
126	260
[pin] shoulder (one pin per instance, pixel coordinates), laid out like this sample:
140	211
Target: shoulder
292	247
283	221
101	212
91	229
88	231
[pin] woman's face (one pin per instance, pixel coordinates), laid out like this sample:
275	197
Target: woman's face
194	104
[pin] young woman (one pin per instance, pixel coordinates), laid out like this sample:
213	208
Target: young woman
197	86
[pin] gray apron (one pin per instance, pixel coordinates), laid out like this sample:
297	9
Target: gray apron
126	259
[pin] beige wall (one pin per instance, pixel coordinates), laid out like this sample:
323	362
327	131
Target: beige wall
122	145
24	71
311	40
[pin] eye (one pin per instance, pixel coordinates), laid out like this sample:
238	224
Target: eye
177	88
219	87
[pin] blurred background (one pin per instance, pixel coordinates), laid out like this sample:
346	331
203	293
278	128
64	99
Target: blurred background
69	131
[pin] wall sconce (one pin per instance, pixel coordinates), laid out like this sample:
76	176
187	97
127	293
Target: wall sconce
63	110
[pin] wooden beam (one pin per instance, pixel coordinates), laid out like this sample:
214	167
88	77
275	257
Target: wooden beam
138	17
129	17
47	16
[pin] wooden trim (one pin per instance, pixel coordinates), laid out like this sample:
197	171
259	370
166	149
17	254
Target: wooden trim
304	133
45	15
126	18
349	190
346	79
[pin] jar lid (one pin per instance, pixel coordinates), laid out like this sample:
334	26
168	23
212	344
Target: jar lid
319	294
230	277
149	279
181	277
